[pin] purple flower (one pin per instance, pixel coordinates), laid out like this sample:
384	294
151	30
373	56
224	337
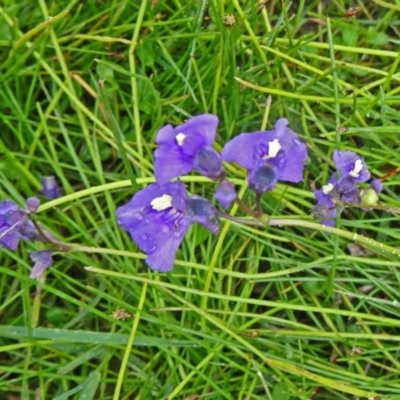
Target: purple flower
268	156
51	189
158	217
15	224
186	148
326	202
43	260
342	186
351	165
12	221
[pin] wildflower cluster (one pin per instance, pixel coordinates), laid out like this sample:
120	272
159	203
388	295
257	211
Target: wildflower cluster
158	216
17	224
343	187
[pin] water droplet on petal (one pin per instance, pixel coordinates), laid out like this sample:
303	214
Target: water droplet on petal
147	221
165	229
144	236
139	216
176	233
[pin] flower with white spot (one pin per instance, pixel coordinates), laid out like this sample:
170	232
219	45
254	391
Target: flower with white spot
351	166
186	148
158	218
268	156
342	186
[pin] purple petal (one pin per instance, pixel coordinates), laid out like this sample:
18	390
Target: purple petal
203	212
179	146
7	206
295	152
162	258
242	148
376	185
9	237
156	220
225	193
204	126
170	162
51	189
43	260
352	165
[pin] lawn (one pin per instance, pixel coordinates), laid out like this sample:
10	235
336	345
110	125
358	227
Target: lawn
285	300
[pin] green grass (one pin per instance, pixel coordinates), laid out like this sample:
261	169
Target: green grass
283	312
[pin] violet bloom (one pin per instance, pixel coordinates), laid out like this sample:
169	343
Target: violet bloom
12	221
15	224
51	189
158	217
268	156
342	186
351	166
43	260
186	148
326	202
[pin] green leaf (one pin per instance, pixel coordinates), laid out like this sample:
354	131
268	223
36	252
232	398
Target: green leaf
281	392
376	38
350	35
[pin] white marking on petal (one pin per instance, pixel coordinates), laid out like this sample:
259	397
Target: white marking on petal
162	203
326	189
180	137
358	166
273	149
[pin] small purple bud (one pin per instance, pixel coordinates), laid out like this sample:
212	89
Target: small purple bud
376	185
43	260
32	204
225	193
51	189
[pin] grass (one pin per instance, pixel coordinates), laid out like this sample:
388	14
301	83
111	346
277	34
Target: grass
278	313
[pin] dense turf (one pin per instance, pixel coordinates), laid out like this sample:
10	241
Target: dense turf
278	313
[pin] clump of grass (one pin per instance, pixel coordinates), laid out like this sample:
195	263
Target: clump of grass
287	313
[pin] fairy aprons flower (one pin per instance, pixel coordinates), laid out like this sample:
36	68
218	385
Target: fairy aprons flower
158	217
268	156
15	224
186	148
342	186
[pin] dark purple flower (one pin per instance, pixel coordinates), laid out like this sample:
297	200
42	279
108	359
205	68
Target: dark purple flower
351	166
15	224
43	260
12	221
186	148
51	189
225	193
268	156
326	202
158	217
